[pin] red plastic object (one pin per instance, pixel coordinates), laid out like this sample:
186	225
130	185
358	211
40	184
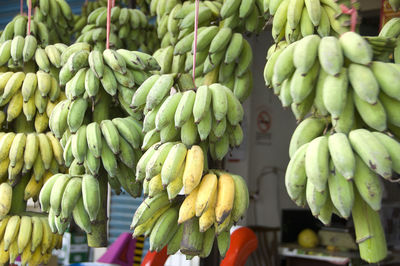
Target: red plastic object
243	243
155	258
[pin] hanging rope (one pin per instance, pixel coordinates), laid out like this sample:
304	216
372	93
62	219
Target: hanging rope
196	24
353	14
29	16
109	3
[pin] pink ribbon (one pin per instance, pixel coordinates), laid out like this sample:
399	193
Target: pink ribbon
109	3
29	16
352	12
196	24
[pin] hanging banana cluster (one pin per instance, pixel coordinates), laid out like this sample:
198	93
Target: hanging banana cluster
95	76
209	210
26	53
66	197
31	190
387	44
172	23
339	174
244	15
211	112
34	186
295	19
170	166
347	84
316	154
114	143
29	236
33	94
21	152
57	16
19	27
50	23
218	49
311	73
129	29
88	7
80	20
335	173
84	70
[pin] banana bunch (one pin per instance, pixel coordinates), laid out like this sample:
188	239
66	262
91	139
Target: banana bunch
323	168
57	15
295	19
83	70
390	33
245	15
209	210
311	74
21	152
170	14
26	53
112	142
211	112
18	26
34	186
218	49
128	28
70	196
171	167
51	22
89	6
383	47
32	94
28	235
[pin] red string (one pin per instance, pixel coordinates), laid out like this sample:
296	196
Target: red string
108	23
29	16
353	13
113	3
21	7
196	23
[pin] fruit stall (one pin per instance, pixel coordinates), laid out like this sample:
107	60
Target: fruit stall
188	132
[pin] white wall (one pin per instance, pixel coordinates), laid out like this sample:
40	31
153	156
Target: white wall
265	151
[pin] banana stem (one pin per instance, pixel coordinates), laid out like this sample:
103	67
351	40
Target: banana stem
369	232
99	236
185	82
18	204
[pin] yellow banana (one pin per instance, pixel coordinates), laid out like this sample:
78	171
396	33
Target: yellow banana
193	169
225	197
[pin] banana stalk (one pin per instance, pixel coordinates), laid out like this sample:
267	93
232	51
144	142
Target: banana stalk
370	236
98	237
18	204
185	82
